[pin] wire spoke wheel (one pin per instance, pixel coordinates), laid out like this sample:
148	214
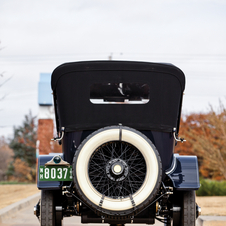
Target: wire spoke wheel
117	169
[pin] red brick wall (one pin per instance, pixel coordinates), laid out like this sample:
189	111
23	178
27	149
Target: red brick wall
44	135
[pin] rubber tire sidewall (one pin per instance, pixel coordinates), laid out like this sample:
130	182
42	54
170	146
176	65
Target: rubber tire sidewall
47	210
186	201
91	196
189	209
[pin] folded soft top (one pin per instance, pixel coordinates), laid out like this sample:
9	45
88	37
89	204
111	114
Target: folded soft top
75	85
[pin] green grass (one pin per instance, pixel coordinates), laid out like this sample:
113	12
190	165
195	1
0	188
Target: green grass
13	182
211	188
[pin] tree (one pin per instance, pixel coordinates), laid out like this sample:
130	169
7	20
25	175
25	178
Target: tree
6	156
206	138
24	141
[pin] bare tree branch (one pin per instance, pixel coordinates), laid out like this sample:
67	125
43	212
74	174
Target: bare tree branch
5	81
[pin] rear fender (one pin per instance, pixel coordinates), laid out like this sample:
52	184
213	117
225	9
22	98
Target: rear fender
184	172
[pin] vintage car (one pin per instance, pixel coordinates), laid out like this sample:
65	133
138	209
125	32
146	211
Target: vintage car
118	124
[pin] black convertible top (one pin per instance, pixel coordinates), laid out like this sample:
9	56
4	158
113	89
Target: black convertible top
75	84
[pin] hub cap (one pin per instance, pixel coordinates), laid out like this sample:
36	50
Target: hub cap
117	170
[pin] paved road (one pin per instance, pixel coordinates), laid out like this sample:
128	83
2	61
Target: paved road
25	217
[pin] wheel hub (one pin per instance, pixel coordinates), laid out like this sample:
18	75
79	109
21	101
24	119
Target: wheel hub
117	170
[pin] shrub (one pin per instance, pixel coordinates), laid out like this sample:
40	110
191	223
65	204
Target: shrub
211	188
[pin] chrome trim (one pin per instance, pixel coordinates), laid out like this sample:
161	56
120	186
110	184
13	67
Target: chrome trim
61	135
61	163
178	139
173	165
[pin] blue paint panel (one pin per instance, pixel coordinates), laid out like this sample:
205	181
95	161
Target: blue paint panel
44	90
186	173
47	185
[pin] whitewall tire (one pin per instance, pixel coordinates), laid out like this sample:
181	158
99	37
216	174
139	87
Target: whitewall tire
116	170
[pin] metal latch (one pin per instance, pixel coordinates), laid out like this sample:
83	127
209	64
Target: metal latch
177	138
59	138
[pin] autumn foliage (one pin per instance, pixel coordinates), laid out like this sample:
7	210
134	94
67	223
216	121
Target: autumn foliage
206	138
24	141
23	144
23	172
6	156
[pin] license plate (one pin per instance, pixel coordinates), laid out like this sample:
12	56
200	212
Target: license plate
55	173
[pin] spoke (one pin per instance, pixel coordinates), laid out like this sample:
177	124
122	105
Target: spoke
99	158
127	191
99	181
132	160
114	150
93	177
94	169
127	148
102	154
114	191
136	158
138	170
106	148
132	181
109	186
130	184
137	177
131	155
141	165
102	188
100	184
134	184
100	166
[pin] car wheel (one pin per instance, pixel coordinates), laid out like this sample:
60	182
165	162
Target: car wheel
48	212
185	201
189	209
117	171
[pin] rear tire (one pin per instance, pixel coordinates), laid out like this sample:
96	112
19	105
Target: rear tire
48	212
189	209
187	215
117	171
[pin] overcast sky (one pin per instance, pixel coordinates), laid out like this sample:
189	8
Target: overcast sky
36	36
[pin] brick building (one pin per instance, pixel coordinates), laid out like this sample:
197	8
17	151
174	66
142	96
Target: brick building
45	117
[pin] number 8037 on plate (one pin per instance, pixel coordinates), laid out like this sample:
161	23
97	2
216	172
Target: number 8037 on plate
55	173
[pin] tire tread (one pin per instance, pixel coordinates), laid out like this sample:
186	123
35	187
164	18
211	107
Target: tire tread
47	206
189	211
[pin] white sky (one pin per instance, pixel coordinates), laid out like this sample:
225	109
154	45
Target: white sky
36	36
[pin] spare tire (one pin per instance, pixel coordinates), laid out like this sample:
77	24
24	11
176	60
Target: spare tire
117	171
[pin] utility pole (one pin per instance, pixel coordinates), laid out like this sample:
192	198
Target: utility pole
110	56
